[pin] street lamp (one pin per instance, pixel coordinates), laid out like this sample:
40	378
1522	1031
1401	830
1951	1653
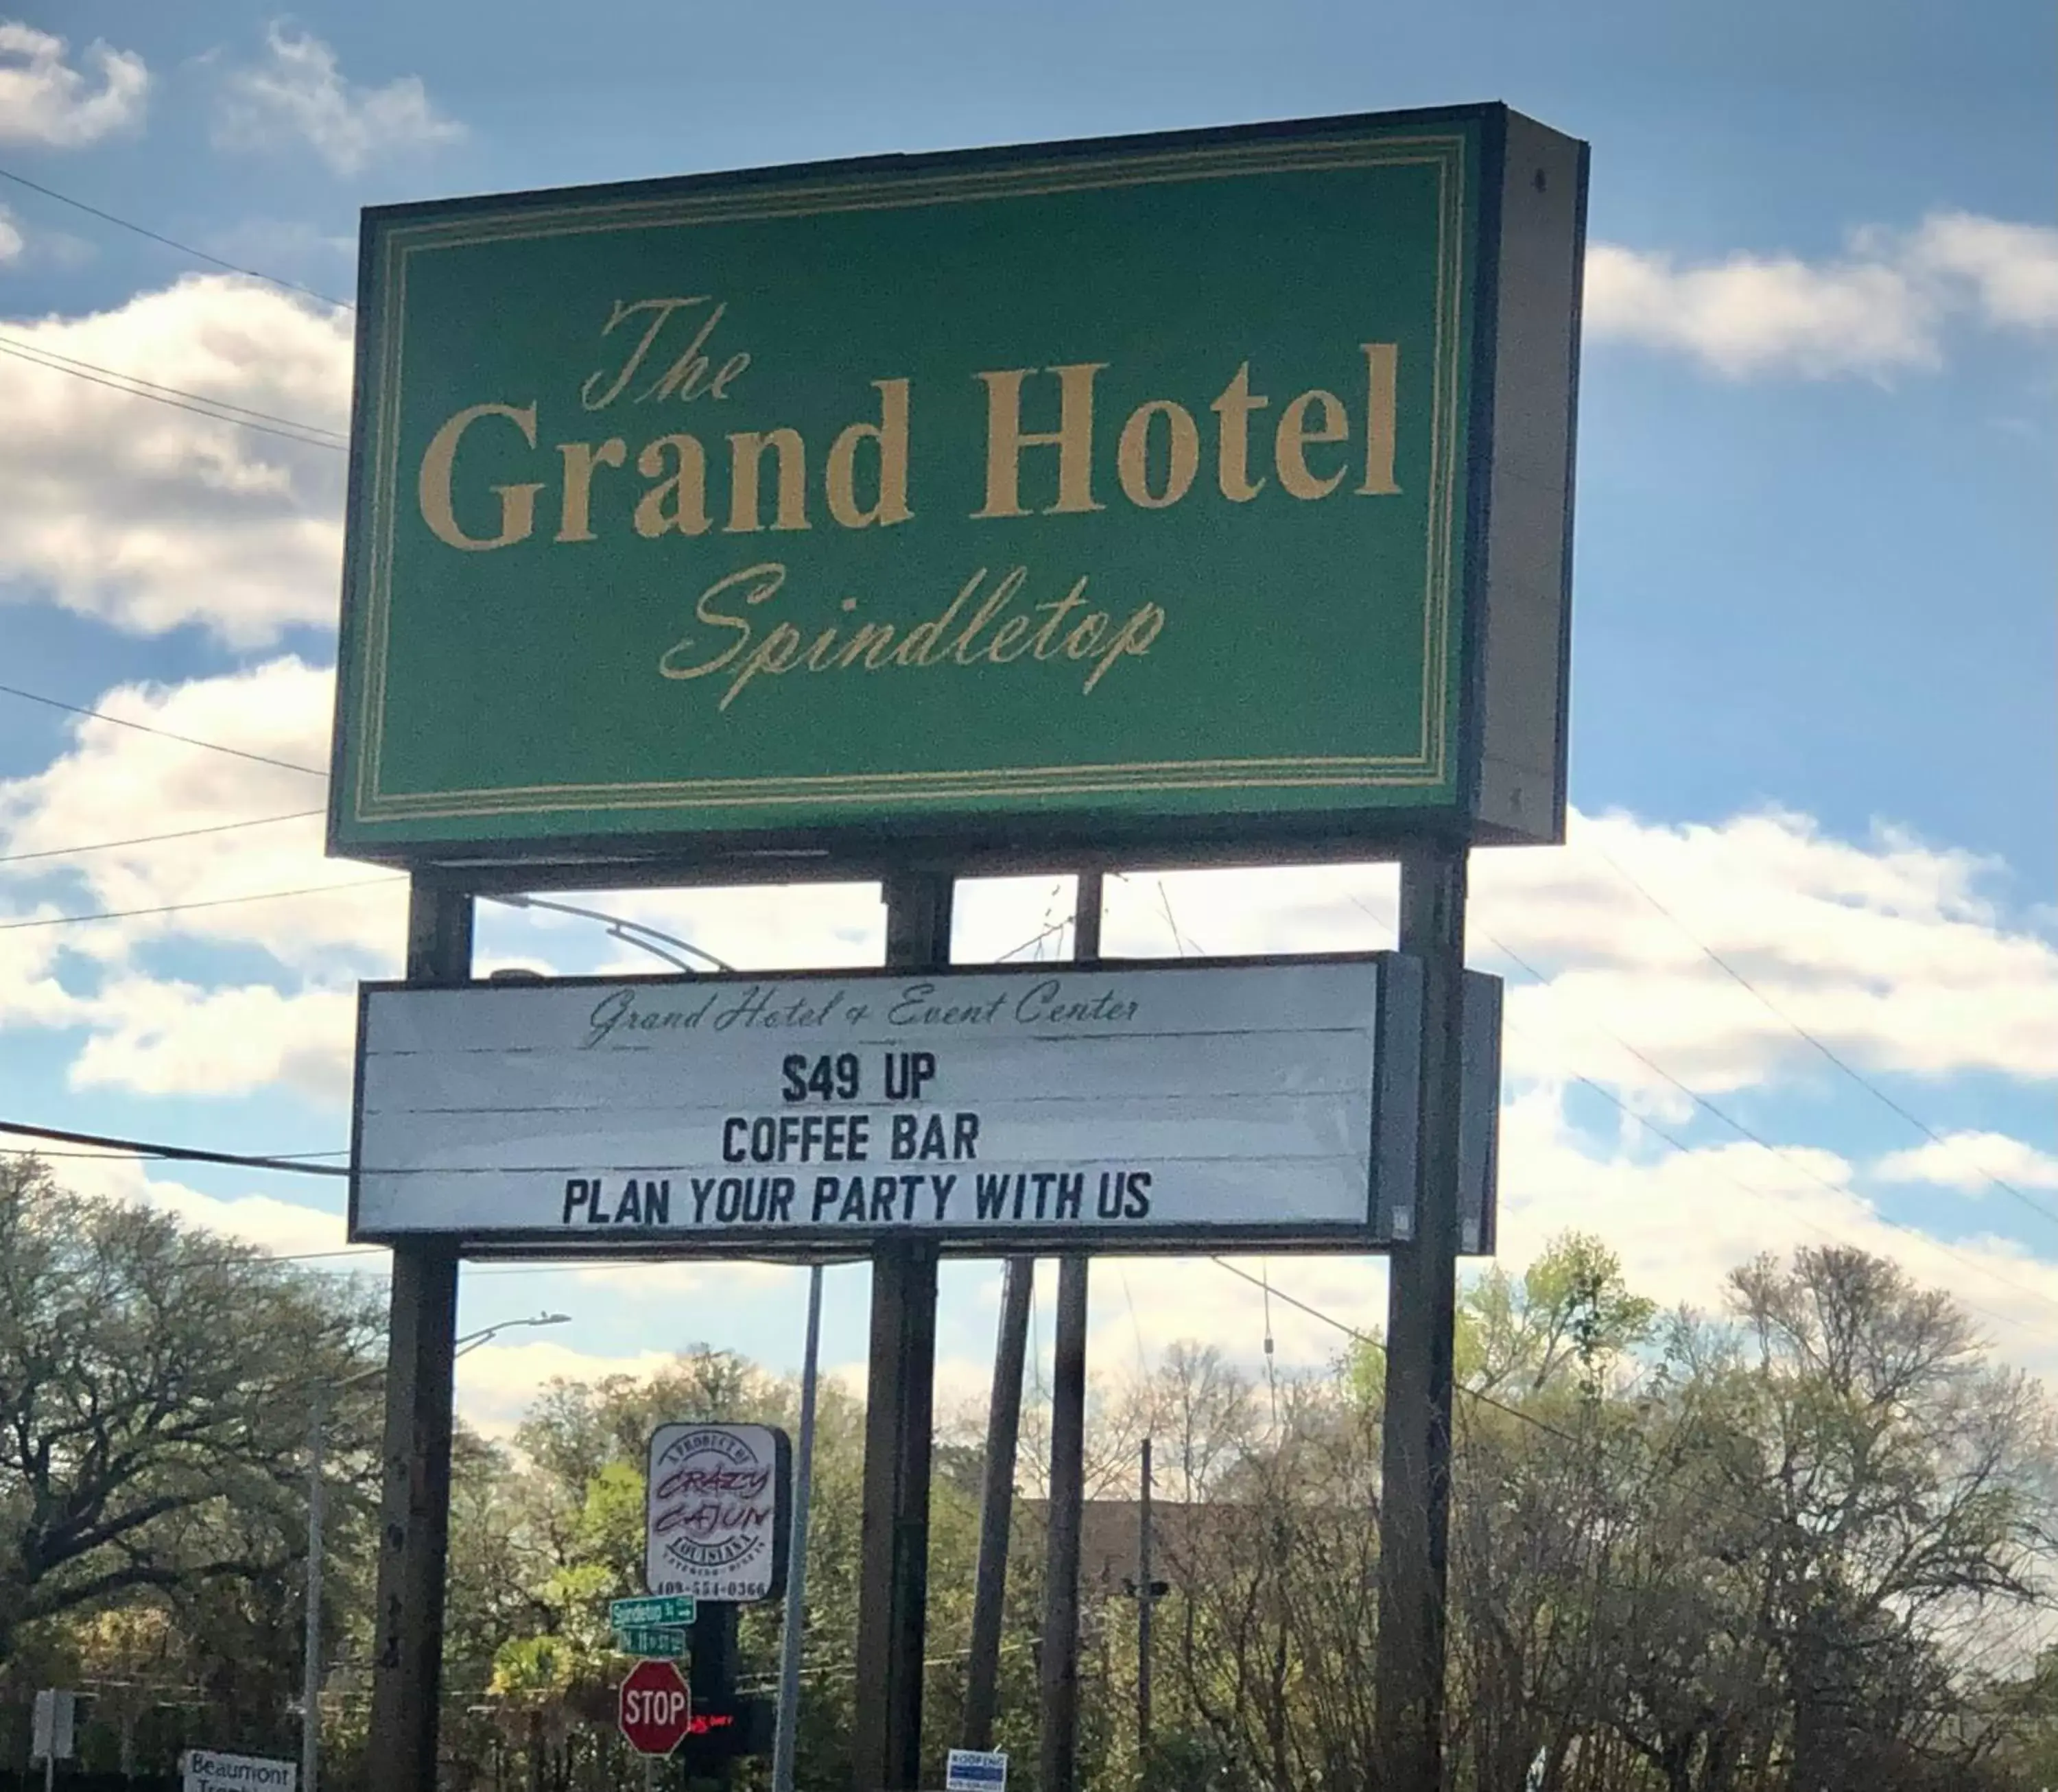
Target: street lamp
636	933
317	1424
629	933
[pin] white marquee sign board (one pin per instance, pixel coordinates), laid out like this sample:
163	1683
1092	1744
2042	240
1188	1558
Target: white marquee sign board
1126	1105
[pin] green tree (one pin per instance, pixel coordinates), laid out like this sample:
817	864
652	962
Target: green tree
154	1394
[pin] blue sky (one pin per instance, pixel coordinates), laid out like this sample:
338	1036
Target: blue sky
1815	638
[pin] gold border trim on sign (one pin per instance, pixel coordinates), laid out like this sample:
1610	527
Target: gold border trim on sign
1426	767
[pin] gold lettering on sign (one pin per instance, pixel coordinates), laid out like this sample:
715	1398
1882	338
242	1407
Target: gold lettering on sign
890	434
922	645
574	507
1232	452
746	452
1382	361
1289	447
691	373
517	502
1073	439
748	657
662	349
684	490
763	581
1132	459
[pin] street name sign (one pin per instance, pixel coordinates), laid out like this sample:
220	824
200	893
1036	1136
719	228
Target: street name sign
209	1770
1200	494
667	1609
653	1642
717	1511
1146	1107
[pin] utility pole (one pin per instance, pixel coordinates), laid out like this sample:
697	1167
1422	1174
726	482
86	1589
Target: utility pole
414	1519
786	1736
1059	1764
1414	1512
899	1394
1003	1431
1146	1597
311	1675
317	1513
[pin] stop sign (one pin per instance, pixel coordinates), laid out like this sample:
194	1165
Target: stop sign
655	1709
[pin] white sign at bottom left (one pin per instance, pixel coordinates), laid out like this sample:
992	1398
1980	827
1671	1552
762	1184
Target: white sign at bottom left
206	1771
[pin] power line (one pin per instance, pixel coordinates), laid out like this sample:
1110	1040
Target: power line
162	734
1835	1058
169	242
134	1157
1480	1397
152	840
180	907
200	410
152	388
181	1154
1378	1344
1786	1155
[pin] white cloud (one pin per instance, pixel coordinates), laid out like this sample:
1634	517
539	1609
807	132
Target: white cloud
163	1035
1905	958
118	784
160	1038
498	1383
2012	268
151	517
11	242
1750	314
298	94
1897	955
1680	1220
280	1226
284	1228
1877	310
1971	1161
44	100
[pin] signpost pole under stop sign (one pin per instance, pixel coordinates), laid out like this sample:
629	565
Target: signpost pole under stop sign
654	1710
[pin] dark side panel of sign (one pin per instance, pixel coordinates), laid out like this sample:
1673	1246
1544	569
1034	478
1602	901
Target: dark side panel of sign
1079	493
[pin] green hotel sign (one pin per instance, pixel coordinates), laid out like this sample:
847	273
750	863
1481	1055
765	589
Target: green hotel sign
1172	493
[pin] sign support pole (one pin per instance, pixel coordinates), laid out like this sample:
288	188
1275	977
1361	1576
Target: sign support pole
1414	1513
1146	1601
1059	1761
414	1522
900	1379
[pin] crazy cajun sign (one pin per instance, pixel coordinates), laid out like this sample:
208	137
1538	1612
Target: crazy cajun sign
716	1512
1125	1107
1178	491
